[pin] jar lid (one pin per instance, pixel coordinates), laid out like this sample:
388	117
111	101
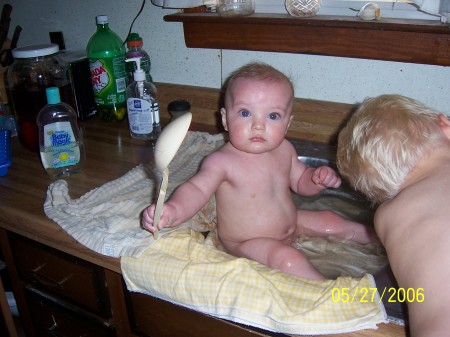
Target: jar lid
35	51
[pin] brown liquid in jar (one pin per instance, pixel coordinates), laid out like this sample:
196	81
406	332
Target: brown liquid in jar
27	104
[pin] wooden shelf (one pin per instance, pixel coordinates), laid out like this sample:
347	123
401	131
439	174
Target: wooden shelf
413	41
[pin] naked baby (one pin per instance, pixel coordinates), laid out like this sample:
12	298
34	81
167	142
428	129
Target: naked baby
252	176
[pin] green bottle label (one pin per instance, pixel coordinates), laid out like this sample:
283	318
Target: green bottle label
108	80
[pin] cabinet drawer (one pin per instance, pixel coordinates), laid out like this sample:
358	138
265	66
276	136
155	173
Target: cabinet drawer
157	318
61	274
52	317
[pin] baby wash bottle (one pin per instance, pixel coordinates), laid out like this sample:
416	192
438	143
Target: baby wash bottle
60	140
142	107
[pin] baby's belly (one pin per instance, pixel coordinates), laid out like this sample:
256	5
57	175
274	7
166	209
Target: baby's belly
279	223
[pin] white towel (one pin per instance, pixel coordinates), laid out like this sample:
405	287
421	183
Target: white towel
108	219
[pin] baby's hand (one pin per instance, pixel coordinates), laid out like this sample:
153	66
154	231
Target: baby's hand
326	176
167	216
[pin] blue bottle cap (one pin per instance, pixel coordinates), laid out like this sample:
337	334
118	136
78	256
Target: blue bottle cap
53	95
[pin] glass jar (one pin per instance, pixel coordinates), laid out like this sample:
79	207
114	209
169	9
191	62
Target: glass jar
235	7
35	68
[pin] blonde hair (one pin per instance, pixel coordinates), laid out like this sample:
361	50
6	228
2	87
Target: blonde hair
383	141
258	71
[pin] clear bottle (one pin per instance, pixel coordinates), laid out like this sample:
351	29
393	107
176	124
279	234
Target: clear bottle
135	49
142	107
106	54
60	139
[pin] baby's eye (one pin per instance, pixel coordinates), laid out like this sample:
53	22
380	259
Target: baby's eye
274	116
244	113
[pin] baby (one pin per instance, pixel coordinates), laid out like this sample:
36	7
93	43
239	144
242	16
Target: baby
252	176
397	152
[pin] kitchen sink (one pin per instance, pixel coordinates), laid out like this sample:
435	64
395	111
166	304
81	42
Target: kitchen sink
344	200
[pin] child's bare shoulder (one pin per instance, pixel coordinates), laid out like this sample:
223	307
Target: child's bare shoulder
220	157
286	145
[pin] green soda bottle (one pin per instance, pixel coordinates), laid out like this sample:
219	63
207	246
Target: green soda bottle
106	54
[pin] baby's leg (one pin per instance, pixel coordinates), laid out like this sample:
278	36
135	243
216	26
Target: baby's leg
324	223
277	255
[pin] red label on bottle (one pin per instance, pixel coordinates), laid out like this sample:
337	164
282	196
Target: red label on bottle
99	75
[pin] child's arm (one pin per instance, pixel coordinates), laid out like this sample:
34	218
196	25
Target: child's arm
310	181
187	199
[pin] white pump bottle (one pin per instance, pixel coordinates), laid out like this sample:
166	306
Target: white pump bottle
142	107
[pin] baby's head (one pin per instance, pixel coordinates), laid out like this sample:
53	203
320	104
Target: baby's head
383	141
258	106
258	72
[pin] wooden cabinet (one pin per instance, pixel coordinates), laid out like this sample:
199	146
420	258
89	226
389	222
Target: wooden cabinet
61	275
53	317
63	295
153	317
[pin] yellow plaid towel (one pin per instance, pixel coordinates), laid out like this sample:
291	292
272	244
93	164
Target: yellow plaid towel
183	269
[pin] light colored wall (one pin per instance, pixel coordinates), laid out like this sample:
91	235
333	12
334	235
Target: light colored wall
318	77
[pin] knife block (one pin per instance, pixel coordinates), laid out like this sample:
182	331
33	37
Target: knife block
3	83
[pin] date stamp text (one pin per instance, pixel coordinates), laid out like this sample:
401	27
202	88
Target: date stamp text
370	295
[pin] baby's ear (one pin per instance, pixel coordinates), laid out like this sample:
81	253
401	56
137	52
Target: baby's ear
445	125
223	113
290	120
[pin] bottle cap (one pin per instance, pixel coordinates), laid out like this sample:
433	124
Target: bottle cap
35	51
134	40
53	95
101	19
139	74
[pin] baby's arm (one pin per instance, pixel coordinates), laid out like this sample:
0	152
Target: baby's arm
310	181
326	177
188	198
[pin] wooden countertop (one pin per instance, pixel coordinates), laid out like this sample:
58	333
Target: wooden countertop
110	153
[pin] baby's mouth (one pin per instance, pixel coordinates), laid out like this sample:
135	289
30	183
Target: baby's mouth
257	139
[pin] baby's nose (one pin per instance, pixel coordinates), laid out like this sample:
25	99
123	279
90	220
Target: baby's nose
258	124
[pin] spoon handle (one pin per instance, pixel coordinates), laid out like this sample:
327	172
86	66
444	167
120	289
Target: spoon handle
160	202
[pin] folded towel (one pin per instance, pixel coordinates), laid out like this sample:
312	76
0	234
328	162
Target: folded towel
184	269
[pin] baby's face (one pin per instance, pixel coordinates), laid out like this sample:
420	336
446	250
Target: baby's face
258	114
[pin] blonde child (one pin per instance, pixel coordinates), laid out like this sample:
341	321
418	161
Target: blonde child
396	151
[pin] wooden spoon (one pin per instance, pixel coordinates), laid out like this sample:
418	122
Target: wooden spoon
166	147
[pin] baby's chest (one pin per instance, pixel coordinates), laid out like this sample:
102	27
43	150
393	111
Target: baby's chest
261	180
